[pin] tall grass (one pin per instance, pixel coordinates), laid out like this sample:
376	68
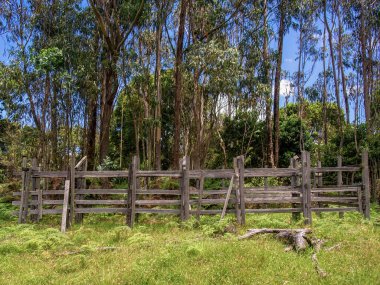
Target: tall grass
162	250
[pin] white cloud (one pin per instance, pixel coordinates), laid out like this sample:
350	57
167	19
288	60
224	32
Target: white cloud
286	88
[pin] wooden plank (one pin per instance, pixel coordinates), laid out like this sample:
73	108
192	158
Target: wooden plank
335	169
271	189
366	184
294	200
72	190
341	189
102	174
159	173
335	199
23	190
50	174
101	191
232	182
270	172
212	173
36	193
65	206
158	202
214	212
35	202
101	210
275	210
268	195
81	162
158	192
340	209
210	192
158	211
100	202
44	211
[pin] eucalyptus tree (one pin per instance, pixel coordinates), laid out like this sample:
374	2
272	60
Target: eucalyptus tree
305	23
115	20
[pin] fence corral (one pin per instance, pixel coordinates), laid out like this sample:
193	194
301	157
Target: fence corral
304	190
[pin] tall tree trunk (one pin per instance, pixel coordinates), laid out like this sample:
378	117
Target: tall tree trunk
340	64
277	82
54	126
325	134
336	81
266	81
363	45
178	85
158	85
91	131
109	89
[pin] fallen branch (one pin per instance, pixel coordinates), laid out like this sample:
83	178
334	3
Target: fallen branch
295	237
298	240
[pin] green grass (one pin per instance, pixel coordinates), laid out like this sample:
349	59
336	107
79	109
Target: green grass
161	250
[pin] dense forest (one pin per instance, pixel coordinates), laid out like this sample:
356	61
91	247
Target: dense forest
161	79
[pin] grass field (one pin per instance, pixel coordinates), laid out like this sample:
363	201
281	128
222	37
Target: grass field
161	250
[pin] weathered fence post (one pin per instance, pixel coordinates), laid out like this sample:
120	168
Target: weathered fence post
132	191
34	198
240	163
366	184
306	187
237	192
293	183
339	180
200	195
24	192
185	195
65	206
72	190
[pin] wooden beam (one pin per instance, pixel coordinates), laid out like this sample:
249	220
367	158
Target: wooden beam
65	206
23	191
185	188
72	190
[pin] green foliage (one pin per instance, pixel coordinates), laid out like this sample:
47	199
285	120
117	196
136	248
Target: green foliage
49	59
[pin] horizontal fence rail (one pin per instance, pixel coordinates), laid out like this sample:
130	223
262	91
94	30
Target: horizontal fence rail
70	193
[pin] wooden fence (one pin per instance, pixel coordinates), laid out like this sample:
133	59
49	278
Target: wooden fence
303	191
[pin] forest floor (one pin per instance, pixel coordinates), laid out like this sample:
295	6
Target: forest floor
161	250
